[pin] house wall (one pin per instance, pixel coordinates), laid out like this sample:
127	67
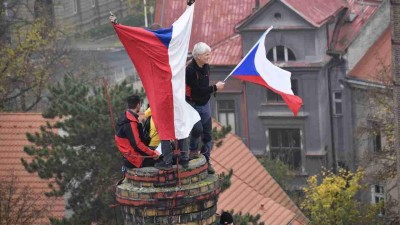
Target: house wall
327	136
309	45
368	35
362	144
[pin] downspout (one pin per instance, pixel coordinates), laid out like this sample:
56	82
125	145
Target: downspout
335	63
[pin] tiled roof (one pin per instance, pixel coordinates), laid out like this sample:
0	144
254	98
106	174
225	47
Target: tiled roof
228	52
252	189
350	30
374	66
13	129
375	61
213	22
316	12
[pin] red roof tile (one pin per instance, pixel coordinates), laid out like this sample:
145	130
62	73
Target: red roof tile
252	189
350	30
316	12
13	129
374	66
227	52
213	22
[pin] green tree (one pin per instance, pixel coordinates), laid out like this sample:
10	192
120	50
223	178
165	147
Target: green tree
375	136
31	50
81	157
333	201
278	170
245	219
218	134
226	180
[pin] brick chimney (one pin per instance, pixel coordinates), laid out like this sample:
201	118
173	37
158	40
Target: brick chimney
151	196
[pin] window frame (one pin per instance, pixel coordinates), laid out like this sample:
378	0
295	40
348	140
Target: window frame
286	53
270	148
376	136
380	195
226	111
336	101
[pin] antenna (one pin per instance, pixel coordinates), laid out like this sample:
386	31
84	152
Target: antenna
146	24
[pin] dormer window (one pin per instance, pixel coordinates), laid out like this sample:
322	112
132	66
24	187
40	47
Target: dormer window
280	54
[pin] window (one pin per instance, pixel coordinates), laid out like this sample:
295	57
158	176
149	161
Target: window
280	53
378	196
285	145
376	142
226	113
272	97
376	136
337	103
277	16
93	3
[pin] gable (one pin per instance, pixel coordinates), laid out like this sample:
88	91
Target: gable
276	14
252	190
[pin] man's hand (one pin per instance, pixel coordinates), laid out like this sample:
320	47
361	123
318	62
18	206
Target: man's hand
220	85
113	19
157	155
190	2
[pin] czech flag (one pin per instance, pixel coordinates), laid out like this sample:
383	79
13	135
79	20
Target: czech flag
256	68
160	57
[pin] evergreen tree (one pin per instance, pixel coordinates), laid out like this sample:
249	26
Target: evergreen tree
279	170
245	219
78	152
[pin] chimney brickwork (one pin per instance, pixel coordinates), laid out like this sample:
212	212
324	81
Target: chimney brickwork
151	196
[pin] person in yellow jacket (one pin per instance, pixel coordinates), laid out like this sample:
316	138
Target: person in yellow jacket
155	140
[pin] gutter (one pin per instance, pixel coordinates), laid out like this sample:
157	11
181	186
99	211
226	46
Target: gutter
366	84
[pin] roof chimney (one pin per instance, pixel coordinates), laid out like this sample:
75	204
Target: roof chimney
150	196
257	5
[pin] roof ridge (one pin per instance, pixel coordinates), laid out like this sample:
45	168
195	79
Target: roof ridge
20	113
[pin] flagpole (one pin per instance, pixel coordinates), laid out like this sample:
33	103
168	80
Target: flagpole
265	33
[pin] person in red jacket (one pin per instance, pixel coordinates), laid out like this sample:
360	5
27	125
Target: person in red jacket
129	137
